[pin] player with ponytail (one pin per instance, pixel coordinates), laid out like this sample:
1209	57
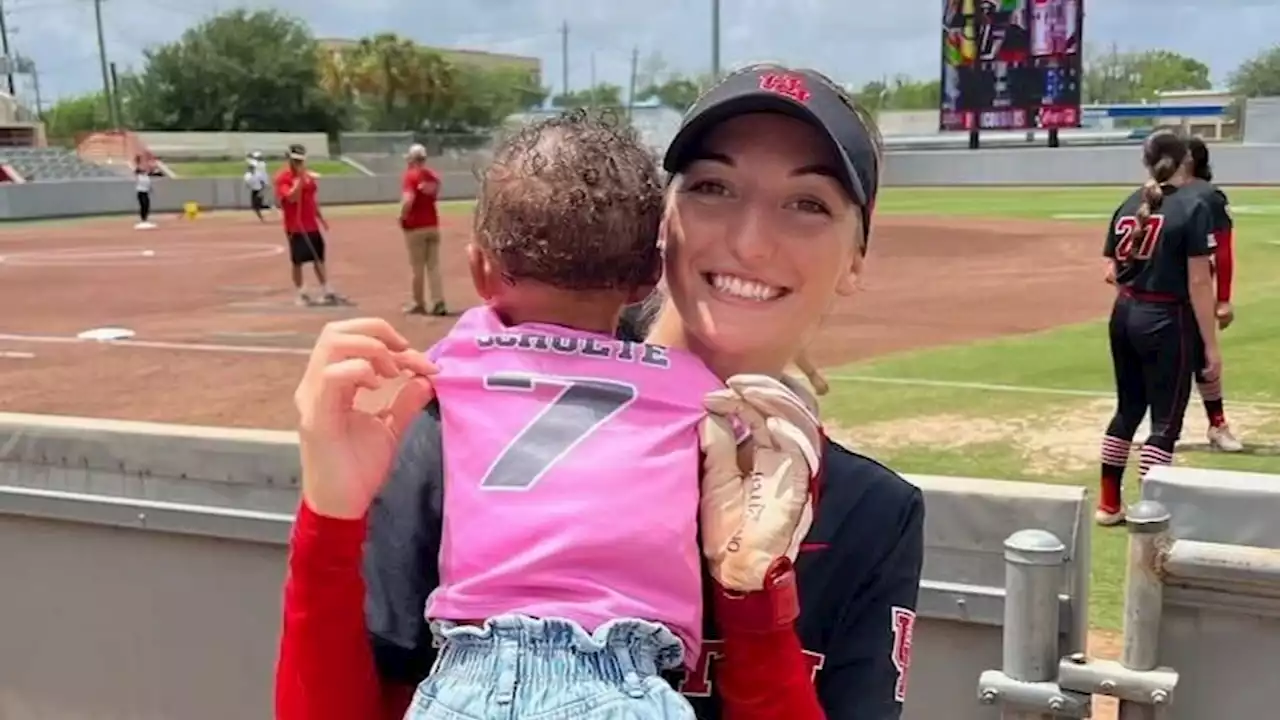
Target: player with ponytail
1163	327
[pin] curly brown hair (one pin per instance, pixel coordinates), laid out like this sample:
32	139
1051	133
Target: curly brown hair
573	201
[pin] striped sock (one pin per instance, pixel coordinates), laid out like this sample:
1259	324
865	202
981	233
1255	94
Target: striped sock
1115	451
1150	457
1114	456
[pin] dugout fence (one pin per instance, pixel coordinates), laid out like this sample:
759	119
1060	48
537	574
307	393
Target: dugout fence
151	558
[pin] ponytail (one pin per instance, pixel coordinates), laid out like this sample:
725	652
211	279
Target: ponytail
1152	194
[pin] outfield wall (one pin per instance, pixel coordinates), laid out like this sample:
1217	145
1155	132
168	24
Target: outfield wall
1233	165
79	198
1102	165
147	562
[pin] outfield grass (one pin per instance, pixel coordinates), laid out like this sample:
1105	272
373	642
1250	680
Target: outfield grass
1015	430
236	168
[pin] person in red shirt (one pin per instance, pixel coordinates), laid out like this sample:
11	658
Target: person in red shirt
420	220
296	196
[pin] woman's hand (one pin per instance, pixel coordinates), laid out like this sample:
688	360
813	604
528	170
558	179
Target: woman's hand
1212	364
1225	314
749	520
347	452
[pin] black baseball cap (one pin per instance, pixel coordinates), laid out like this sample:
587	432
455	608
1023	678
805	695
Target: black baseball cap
801	94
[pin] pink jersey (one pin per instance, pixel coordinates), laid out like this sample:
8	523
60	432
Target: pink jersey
571	477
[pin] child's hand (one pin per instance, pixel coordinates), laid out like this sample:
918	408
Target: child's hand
749	520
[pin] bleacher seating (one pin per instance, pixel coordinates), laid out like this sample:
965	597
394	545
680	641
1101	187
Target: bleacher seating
53	164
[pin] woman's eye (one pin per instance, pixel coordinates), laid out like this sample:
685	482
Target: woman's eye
812	206
707	187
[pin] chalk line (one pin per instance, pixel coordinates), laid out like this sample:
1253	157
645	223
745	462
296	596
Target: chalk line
155	345
995	387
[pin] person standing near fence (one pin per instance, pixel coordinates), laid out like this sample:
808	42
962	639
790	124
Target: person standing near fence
142	185
1160	246
775	174
420	221
1219	433
255	178
296	195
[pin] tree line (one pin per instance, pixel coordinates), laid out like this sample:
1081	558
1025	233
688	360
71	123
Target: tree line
264	71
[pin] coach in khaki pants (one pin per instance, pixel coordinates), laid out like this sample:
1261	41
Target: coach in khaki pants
420	219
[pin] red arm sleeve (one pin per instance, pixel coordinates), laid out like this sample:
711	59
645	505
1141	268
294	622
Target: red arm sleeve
764	674
325	670
1225	262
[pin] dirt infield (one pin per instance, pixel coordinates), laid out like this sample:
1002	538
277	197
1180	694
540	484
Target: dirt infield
192	288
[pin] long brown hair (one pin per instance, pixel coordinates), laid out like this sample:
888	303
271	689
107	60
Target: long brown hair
1164	152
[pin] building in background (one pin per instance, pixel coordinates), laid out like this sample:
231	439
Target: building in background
461	57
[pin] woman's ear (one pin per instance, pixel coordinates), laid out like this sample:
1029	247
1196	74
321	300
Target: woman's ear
851	281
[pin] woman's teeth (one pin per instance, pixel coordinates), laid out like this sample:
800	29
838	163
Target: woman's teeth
745	289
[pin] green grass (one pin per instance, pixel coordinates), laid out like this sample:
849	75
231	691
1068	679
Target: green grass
1071	359
236	168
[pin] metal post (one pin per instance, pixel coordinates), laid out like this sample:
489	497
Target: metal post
1148	525
4	45
1033	576
102	59
715	40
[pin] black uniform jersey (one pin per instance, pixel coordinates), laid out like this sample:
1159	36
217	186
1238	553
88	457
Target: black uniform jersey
1153	259
1216	200
858	575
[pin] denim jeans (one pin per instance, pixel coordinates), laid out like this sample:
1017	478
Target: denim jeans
520	668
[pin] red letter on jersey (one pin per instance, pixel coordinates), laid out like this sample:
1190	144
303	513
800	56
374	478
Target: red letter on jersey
904	624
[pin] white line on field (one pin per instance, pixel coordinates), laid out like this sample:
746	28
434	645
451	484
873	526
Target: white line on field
155	345
1027	389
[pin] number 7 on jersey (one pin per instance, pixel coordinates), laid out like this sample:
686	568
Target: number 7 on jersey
579	407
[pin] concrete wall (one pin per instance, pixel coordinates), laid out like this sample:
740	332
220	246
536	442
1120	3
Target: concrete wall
145	565
106	197
1233	165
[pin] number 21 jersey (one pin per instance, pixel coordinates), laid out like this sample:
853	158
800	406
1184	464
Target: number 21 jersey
1153	258
572	466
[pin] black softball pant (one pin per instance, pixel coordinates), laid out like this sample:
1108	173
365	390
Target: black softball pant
1155	349
144	205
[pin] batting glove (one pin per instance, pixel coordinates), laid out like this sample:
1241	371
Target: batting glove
749	520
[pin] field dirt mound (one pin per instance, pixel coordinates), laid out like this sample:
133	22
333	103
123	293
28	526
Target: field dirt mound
936	281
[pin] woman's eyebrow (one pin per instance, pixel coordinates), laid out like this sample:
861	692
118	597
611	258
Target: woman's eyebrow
712	157
818	169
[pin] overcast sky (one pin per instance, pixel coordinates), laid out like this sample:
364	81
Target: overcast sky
880	38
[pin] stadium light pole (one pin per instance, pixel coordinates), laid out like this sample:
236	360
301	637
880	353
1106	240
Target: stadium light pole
715	40
4	38
106	73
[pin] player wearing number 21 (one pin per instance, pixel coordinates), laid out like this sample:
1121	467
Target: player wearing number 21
1159	250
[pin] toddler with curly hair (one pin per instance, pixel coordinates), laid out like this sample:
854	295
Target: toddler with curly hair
570	573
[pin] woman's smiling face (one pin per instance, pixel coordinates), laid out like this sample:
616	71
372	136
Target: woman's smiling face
760	240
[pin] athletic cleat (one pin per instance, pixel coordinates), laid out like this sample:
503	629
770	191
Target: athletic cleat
304	300
1221	438
439	310
1108	518
415	309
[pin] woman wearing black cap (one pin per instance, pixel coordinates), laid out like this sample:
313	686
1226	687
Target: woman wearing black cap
775	174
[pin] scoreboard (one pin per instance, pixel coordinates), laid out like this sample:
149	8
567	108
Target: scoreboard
1011	64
